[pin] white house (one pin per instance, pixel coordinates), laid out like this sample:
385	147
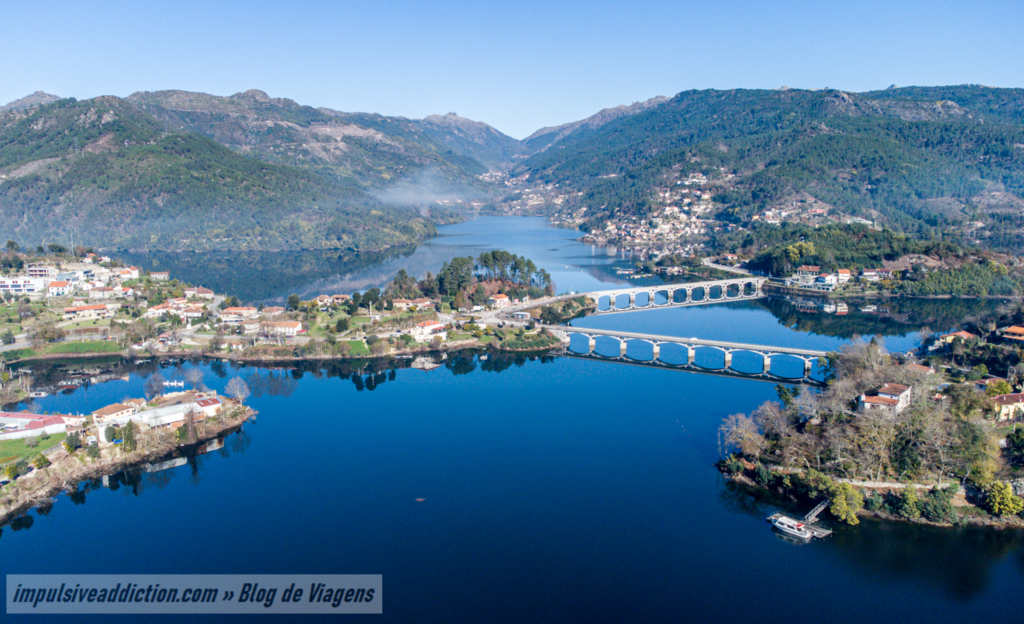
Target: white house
499	301
891	396
284	328
23	285
425	331
59	289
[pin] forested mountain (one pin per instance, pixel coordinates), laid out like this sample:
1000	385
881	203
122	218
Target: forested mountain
921	160
176	169
364	149
114	176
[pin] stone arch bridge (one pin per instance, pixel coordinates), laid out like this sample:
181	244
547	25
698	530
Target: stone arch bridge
646	297
808	356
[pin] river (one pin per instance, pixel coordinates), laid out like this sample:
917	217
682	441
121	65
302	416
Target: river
555	489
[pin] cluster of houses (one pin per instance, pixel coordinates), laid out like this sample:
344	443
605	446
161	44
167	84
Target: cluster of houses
170	411
893	398
254	321
810	277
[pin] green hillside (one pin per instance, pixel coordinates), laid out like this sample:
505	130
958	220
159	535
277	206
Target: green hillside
920	161
113	176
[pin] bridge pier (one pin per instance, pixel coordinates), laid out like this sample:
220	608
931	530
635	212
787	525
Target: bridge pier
690	355
807	368
622	348
632	300
591	344
728	359
656	351
767	362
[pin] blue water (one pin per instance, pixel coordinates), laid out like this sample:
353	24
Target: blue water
557	490
567	490
738	321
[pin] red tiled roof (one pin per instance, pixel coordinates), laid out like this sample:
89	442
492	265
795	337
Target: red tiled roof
1008	399
878	400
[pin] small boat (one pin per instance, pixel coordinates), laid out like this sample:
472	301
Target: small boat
792	527
869	308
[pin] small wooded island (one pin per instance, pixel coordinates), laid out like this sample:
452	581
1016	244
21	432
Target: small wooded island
933	440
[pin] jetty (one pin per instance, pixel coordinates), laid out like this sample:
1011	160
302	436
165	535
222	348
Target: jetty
808	521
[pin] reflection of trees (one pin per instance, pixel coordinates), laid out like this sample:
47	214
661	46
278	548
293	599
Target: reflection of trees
461	363
906	316
959	560
241	441
271	383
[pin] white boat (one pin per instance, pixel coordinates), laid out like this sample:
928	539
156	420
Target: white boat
791	526
869	308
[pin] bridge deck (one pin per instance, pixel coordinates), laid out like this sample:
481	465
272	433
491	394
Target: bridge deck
734	346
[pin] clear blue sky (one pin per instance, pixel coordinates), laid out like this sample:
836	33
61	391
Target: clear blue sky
515	65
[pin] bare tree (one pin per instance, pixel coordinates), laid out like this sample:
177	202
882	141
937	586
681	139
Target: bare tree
194	376
237	389
154	386
740	431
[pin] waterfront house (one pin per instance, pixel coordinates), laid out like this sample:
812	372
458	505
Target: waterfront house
17	425
425	331
962	335
808	270
286	329
402	304
272	311
869	275
844	275
115	411
160	276
894	397
250	326
422	302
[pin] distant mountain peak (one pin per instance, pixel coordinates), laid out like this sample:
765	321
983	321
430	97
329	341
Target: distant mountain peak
38	98
602	117
252	94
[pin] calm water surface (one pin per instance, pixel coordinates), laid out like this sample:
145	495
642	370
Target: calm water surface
557	489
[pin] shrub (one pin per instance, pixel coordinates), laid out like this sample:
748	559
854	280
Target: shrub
937	506
908	506
763	474
1000	501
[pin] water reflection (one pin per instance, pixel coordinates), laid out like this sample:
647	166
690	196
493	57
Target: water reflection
958	561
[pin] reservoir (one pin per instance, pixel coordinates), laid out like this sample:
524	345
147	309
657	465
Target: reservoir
554	489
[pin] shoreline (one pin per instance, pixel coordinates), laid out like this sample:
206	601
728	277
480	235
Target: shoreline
973	519
65	473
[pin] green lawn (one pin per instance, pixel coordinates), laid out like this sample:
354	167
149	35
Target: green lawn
13	450
90	346
88	323
358	347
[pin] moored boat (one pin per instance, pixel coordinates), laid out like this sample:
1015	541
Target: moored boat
791	527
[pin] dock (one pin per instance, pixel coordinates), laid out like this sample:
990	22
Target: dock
809	520
818	531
